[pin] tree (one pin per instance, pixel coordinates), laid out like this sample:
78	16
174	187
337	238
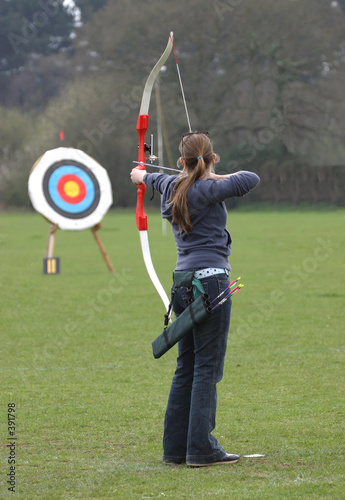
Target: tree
16	132
89	7
266	81
32	26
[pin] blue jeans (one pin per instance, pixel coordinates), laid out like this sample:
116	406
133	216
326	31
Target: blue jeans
191	411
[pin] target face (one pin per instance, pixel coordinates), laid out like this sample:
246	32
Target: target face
70	189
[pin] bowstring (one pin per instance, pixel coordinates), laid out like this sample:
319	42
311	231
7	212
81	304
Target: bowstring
179	76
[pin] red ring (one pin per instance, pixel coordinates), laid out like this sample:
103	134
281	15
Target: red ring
61	185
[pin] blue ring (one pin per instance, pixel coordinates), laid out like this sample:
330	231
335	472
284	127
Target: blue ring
71	211
64	205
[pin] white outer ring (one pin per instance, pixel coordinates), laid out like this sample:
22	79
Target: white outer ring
38	198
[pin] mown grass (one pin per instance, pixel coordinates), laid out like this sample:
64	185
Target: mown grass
75	358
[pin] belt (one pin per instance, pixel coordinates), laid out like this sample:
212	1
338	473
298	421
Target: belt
209	271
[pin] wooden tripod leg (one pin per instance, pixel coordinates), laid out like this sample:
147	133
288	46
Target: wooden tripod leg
101	247
51	240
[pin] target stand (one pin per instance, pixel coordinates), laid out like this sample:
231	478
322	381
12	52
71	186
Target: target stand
73	192
51	265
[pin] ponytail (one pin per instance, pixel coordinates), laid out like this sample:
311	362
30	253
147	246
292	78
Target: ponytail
197	153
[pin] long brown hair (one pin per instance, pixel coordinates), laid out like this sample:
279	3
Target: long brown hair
197	152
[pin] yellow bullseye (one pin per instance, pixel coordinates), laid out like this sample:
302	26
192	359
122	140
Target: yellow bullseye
71	189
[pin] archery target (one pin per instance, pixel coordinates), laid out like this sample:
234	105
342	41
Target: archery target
70	189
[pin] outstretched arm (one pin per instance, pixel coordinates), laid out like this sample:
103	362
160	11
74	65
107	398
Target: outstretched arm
218	177
229	185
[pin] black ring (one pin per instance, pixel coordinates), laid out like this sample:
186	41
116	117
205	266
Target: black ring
69	215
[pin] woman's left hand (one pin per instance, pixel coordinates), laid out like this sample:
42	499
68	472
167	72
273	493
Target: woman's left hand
137	175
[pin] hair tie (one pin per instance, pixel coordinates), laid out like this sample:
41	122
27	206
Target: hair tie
200	157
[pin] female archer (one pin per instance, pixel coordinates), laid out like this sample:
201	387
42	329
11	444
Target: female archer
193	203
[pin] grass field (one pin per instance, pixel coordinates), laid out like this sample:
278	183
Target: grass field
89	397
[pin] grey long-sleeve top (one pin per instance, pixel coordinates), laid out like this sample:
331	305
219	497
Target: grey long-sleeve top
209	242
